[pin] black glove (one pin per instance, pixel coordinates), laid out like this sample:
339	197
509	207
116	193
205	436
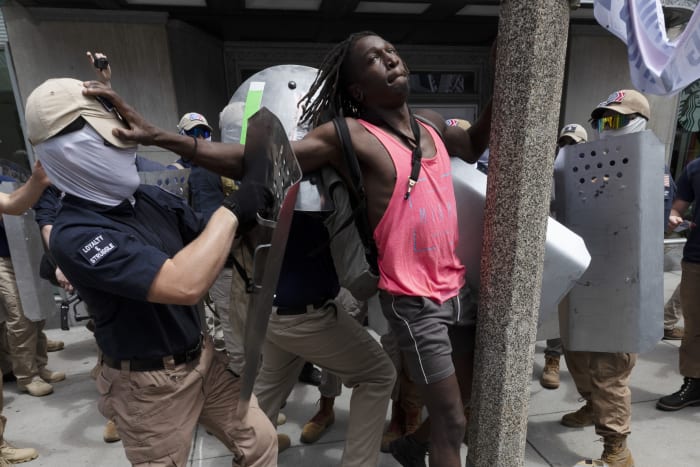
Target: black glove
250	199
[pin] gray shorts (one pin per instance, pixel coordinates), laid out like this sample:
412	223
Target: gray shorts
429	333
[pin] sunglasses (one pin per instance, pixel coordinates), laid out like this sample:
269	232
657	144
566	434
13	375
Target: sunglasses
611	122
199	132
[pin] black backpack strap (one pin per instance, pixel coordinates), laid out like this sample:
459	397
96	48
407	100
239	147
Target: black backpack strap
416	156
358	199
428	122
341	127
249	287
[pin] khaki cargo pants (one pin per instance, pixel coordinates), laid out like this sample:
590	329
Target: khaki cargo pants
330	338
603	378
26	339
156	412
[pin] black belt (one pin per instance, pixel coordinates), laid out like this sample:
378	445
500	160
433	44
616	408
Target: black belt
300	309
155	364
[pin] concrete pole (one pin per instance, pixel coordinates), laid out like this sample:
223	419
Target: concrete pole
532	37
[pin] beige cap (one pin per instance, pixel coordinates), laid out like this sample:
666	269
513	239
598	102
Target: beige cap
575	132
626	102
191	120
58	102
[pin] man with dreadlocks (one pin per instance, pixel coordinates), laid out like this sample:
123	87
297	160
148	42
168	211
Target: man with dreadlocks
410	207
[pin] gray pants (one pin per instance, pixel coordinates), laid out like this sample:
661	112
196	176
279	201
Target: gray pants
331	385
554	348
330	338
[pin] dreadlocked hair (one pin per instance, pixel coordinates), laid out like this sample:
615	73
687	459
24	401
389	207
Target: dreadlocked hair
331	97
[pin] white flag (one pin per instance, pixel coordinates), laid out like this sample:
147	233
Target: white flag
657	65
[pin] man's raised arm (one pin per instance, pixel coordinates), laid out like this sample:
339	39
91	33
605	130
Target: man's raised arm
223	158
25	196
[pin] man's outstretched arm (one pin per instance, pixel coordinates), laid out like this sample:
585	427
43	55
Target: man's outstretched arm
469	144
223	158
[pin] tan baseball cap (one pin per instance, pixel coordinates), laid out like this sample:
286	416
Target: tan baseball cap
626	102
58	102
575	132
191	120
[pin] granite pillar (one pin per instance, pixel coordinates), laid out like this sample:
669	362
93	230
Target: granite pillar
532	37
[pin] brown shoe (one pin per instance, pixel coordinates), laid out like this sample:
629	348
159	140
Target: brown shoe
36	387
13	455
54	346
51	376
550	373
319	423
110	433
582	417
283	442
674	334
616	453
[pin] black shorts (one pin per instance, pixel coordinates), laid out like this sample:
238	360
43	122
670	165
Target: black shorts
429	333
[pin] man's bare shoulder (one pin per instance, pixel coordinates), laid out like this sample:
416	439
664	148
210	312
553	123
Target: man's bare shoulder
433	117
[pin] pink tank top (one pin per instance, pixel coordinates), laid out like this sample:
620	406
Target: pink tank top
416	238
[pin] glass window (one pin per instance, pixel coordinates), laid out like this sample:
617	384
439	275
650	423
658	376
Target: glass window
686	146
443	82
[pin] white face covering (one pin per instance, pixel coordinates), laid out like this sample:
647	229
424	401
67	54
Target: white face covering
635	125
79	163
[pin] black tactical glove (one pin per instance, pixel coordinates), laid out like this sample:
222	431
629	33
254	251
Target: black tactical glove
250	199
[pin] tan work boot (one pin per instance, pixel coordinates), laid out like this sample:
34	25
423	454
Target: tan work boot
320	422
616	453
582	417
395	428
54	346
37	387
51	376
13	455
550	373
283	442
110	433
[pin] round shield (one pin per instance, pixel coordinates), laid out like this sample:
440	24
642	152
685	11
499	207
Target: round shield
279	89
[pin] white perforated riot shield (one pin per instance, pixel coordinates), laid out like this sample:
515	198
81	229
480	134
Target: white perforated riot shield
173	181
610	192
565	257
24	238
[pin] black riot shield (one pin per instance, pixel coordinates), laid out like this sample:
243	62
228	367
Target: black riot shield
266	137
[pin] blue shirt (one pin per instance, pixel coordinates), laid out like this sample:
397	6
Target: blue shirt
308	274
687	188
111	255
206	191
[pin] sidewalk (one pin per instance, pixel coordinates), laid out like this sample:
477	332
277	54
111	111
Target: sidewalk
66	427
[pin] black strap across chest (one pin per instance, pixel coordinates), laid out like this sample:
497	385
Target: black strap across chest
416	154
